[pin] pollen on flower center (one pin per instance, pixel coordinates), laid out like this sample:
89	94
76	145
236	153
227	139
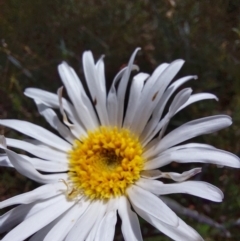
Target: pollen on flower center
105	163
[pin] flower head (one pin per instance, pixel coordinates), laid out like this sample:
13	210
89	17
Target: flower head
109	155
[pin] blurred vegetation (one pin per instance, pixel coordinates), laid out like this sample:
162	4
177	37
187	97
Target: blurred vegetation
37	35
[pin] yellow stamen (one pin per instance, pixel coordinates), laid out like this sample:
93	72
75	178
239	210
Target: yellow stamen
105	163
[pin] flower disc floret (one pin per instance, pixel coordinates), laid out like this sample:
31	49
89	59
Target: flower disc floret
105	163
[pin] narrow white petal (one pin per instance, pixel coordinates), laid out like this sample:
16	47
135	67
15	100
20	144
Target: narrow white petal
37	132
85	100
177	102
175	148
16	215
154	77
197	97
101	74
39	151
27	169
38	220
176	84
191	129
196	188
106	227
147	154
177	177
41	193
123	87
161	124
52	101
112	106
102	83
201	155
112	102
78	96
182	232
134	97
83	226
130	225
190	145
151	204
180	99
96	88
150	99
92	234
52	118
151	174
148	133
65	224
183	176
47	166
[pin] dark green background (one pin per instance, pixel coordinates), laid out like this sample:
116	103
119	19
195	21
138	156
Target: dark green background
37	35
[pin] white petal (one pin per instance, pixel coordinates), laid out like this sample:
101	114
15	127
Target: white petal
177	102
39	151
78	96
154	77
27	169
47	166
62	228
112	102
16	215
41	193
37	132
52	101
190	145
161	124
150	99
82	227
148	133
52	118
151	204
101	75
92	234
112	106
202	155
102	83
189	130
196	188
106	228
155	174
96	88
151	174
197	97
130	225
180	99
123	87
134	97
182	232
38	220
183	176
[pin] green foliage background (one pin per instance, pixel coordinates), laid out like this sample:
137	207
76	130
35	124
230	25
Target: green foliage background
37	35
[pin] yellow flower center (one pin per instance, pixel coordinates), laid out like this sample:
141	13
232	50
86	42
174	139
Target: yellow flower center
105	163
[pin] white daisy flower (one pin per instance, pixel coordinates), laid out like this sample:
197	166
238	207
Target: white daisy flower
108	157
